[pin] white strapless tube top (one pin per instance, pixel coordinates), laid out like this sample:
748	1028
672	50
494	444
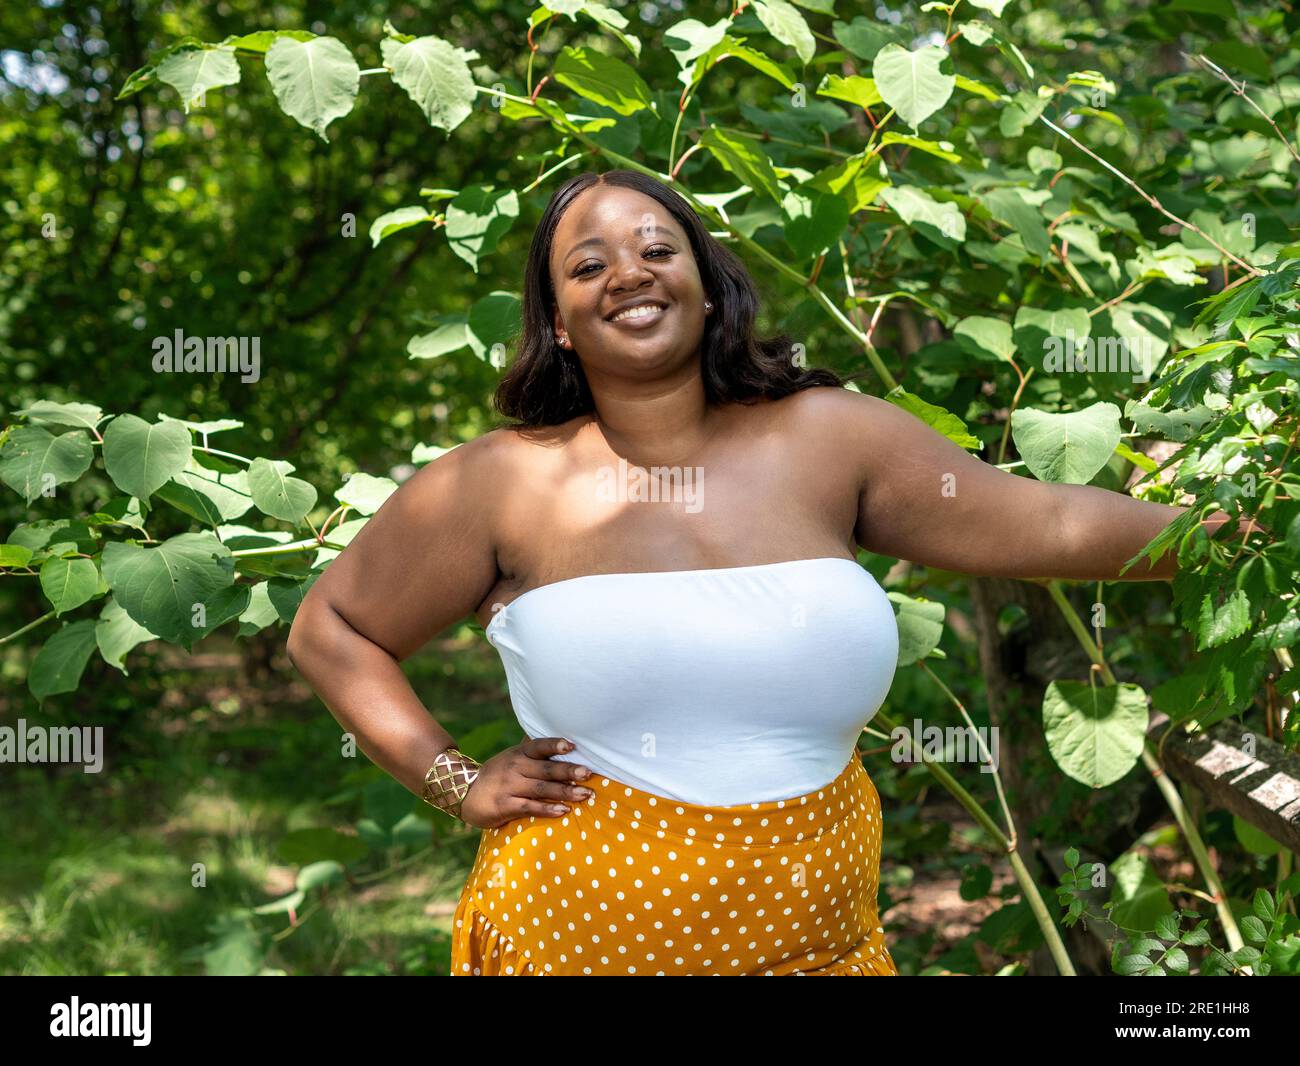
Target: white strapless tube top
718	687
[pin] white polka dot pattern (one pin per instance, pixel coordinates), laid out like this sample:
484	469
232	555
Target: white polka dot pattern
630	883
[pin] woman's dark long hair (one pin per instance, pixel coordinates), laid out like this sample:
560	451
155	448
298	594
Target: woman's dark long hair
545	385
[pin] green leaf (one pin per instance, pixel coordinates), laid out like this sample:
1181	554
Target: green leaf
864	37
209	496
689	39
1059	331
814	220
68	583
342	535
259	41
393	221
940	149
970	85
14	555
304	846
1069	447
141	458
160	587
46	533
450	335
756	59
260	611
915	84
59	664
1013	206
436	75
856	90
1222	623
76	415
286	595
994	6
477	218
985	338
217	425
314	81
1255	841
366	494
1138	896
223	606
601	78
117	633
493	320
783	21
193	72
33	460
920	626
745	158
937	418
1094	732
942	223
289	499
120	511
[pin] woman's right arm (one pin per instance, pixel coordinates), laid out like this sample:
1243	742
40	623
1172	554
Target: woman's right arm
424	561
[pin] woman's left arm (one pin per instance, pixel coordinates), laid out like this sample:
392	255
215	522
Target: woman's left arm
928	500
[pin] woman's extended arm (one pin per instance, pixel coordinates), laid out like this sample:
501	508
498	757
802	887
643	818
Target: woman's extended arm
929	501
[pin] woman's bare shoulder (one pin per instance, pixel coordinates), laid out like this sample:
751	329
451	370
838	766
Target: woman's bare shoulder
828	411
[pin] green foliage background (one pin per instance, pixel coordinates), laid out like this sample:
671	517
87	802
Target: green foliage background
956	211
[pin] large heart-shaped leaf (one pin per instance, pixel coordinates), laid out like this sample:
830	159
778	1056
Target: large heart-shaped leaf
76	415
941	222
193	72
59	664
365	493
33	459
477	218
277	494
161	587
783	21
141	458
937	418
314	81
920	627
915	84
602	78
208	495
745	158
814	220
68	583
985	338
117	633
1095	732
1069	447
436	76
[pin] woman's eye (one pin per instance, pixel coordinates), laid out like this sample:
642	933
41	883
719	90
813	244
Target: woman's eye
657	250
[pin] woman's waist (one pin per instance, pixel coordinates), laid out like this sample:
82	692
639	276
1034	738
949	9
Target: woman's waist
728	803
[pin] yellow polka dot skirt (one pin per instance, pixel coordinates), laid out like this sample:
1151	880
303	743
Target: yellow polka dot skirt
630	883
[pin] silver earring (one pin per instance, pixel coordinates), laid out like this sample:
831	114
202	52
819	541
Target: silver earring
708	306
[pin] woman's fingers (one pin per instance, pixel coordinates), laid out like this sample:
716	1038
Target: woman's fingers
540	765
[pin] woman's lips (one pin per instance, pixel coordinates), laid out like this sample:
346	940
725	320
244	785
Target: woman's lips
641	320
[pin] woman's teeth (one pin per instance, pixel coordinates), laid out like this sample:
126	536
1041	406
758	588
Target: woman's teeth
637	312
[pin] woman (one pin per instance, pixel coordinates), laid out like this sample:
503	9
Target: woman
662	550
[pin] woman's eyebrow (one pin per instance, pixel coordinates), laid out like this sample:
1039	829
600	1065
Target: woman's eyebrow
665	231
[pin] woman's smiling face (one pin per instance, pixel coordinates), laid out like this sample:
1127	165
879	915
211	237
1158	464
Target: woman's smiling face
627	288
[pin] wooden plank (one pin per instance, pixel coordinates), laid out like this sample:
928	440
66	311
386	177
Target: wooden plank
1260	787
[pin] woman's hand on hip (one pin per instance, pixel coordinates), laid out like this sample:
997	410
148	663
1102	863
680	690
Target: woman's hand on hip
524	780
